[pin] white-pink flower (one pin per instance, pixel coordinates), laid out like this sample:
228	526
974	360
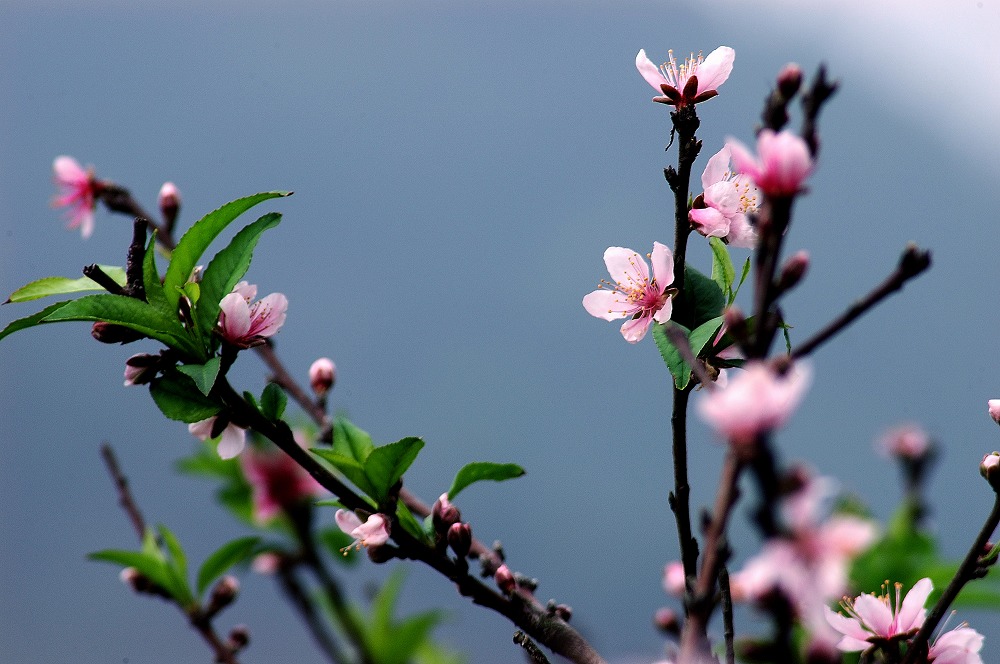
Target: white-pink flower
696	80
907	441
373	532
755	401
957	646
232	439
632	293
728	197
872	619
782	165
244	324
78	192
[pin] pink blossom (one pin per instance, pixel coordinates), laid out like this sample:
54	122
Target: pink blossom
728	198
632	294
674	582
757	400
169	196
278	483
694	81
322	374
871	619
957	646
373	532
907	441
78	192
267	562
233	438
994	409
244	324
783	165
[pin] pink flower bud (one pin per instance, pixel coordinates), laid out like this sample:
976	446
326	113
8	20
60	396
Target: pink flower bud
505	580
782	164
140	369
266	563
789	80
170	204
444	514
994	409
239	638
666	621
989	468
322	376
907	441
793	270
460	538
673	579
223	594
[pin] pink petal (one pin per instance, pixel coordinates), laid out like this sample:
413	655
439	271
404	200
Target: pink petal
912	613
246	290
68	171
202	430
268	315
347	521
625	266
743	161
663	265
663	315
635	329
234	316
716	168
232	442
709	222
741	233
374	531
603	304
850	627
723	196
649	71
715	69
874	614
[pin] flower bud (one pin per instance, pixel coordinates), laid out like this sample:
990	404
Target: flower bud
170	203
460	539
789	80
267	563
109	333
793	270
141	369
674	582
505	580
322	375
666	621
906	442
223	594
239	637
563	612
989	468
444	514
994	409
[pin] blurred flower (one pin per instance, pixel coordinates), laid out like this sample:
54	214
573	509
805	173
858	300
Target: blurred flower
994	409
633	294
872	619
694	81
957	646
783	165
169	197
673	579
373	532
322	374
907	441
505	579
267	562
78	192
728	198
278	482
243	324
233	438
755	401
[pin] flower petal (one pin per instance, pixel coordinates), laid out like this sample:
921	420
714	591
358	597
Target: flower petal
635	329
625	266
662	260
604	304
232	442
649	71
715	69
347	521
716	168
709	222
234	316
912	612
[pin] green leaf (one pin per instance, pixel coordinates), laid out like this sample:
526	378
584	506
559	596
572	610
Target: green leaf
193	244
64	285
150	566
151	281
743	278
703	335
227	268
350	441
386	464
273	401
127	312
410	523
679	369
179	398
223	558
192	291
350	468
723	272
177	568
203	375
704	295
479	471
32	320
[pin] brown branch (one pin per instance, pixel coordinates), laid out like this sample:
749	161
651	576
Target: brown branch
124	494
536	655
299	598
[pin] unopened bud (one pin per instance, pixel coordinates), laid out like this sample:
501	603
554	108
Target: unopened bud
563	612
460	539
990	469
789	80
444	514
130	576
170	204
666	621
994	409
505	580
141	368
239	637
322	376
109	333
223	594
141	583
793	271
674	581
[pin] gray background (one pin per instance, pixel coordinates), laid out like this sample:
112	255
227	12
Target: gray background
459	169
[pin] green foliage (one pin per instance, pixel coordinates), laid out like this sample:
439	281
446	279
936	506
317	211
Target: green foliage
179	398
723	272
32	320
151	281
698	339
168	570
350	441
410	524
703	295
223	558
386	464
203	375
479	471
273	401
64	285
392	640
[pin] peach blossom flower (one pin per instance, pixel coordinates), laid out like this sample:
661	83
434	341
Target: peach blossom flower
872	619
278	483
373	532
78	192
632	294
244	324
783	165
232	441
957	646
728	198
694	81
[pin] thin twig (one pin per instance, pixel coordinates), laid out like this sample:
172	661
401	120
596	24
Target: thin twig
124	494
729	631
536	655
292	587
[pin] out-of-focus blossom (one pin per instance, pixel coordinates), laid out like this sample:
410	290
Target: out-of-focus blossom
755	401
232	441
994	409
505	579
907	441
78	191
957	646
322	375
169	201
673	579
278	483
696	80
789	79
244	324
631	293
782	165
728	198
871	619
372	533
266	563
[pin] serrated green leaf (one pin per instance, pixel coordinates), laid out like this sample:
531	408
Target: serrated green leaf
127	312
227	268
64	285
192	291
177	568
151	281
150	566
179	398
703	294
703	335
679	369
386	464
743	278
479	471
273	401
223	558
203	375
723	272
197	239
350	468
410	523
350	441
32	320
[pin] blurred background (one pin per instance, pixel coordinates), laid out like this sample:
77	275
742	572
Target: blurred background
459	169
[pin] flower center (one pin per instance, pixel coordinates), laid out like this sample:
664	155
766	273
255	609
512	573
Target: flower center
677	75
